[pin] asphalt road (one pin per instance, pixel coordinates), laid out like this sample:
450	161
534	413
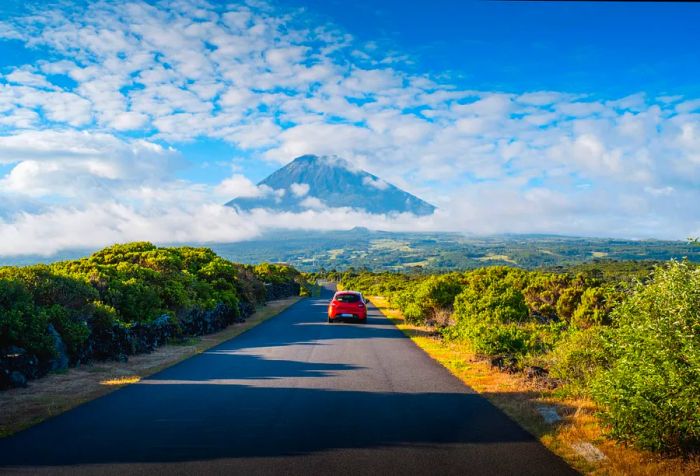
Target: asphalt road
294	395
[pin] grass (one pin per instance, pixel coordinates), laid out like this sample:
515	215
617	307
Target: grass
494	257
333	254
577	437
390	245
56	393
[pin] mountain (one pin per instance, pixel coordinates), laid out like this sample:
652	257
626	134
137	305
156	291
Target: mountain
314	182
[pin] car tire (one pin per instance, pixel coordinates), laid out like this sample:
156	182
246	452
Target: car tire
331	321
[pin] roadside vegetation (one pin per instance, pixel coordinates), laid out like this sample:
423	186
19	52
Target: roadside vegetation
621	337
124	300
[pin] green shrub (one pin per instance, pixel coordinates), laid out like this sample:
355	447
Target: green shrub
489	339
543	294
490	302
49	288
421	300
21	323
651	393
490	313
275	273
595	306
579	357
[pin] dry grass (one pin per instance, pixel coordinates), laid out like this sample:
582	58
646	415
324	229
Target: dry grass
523	399
21	408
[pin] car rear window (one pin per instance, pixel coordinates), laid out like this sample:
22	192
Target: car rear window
347	297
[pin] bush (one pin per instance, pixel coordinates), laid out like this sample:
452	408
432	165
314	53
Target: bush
508	339
488	303
651	393
21	323
595	307
579	357
128	298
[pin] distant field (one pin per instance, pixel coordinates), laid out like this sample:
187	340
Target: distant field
377	250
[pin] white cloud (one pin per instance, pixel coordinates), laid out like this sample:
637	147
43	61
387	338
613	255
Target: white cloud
82	165
376	183
95	226
313	203
28	78
125	121
300	189
275	84
238	186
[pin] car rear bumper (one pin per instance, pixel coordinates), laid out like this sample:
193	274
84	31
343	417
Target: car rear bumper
346	315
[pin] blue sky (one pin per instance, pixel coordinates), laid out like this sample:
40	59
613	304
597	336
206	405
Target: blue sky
606	49
124	120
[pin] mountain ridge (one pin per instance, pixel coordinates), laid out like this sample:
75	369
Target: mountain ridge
318	182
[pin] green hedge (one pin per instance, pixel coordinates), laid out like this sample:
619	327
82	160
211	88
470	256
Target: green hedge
121	290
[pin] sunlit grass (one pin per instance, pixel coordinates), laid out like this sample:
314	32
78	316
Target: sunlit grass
125	380
495	257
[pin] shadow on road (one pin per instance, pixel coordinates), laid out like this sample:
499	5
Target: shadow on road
176	422
224	365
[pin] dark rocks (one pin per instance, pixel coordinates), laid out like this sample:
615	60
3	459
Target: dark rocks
197	322
281	290
16	367
535	372
505	363
110	341
5	380
60	361
541	376
245	310
17	379
145	337
118	341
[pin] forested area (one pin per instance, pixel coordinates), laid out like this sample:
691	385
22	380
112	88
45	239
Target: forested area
124	300
625	337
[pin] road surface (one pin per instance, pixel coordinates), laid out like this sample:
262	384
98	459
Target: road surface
294	395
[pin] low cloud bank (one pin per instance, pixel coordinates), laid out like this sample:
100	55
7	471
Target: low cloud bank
55	229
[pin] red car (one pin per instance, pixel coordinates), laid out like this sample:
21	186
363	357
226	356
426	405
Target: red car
347	305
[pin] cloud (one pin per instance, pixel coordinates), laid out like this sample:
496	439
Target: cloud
72	167
239	186
313	203
99	225
97	122
300	189
27	77
375	182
